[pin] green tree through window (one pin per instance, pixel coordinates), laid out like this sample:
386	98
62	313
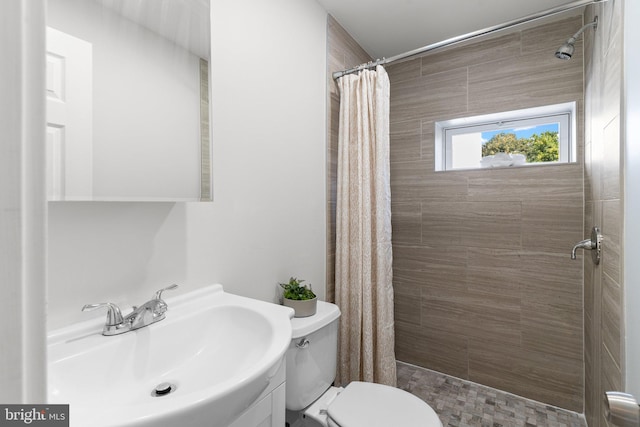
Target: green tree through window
537	148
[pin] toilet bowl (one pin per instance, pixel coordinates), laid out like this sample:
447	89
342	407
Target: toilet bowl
313	401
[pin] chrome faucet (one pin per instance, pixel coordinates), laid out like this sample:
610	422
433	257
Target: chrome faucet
150	312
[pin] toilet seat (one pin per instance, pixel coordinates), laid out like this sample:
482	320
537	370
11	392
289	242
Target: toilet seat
375	405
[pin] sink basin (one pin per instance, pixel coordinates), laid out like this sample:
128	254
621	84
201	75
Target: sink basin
218	350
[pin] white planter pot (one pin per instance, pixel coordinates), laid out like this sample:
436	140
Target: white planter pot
303	308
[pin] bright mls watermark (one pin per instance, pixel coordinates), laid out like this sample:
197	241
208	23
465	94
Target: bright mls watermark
34	415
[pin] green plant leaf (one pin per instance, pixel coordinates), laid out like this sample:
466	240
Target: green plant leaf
296	291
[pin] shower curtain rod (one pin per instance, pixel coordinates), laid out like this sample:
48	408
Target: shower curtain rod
469	36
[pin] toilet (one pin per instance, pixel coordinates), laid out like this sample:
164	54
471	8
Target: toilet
312	401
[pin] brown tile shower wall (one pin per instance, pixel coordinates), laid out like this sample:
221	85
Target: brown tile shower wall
343	52
603	284
485	289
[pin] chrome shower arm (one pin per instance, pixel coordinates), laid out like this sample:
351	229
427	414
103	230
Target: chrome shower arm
593	24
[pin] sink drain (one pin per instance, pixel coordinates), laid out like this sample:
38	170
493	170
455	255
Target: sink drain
163	389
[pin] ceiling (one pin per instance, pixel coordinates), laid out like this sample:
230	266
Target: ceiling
385	28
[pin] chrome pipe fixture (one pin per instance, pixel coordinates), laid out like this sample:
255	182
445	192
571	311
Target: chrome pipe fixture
566	50
469	36
592	244
621	409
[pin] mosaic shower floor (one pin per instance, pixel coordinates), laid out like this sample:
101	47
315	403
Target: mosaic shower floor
461	403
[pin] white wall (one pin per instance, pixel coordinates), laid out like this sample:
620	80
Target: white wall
267	221
22	202
632	195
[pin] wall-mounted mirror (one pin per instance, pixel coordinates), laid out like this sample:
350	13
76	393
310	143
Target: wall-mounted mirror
128	100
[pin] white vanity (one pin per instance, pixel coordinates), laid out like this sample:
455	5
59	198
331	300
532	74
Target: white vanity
216	360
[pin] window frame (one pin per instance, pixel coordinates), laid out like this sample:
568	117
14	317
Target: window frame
564	114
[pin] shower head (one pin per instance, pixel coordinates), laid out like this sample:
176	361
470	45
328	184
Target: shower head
566	50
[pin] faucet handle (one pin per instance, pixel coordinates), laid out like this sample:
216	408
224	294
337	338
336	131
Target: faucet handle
593	244
114	315
168	288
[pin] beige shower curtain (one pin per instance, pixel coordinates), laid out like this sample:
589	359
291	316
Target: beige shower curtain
364	290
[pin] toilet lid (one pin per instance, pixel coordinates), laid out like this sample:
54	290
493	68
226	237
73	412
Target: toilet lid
376	405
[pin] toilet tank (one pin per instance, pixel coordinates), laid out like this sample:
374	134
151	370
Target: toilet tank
312	356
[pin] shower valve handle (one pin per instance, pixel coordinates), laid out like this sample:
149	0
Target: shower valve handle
592	244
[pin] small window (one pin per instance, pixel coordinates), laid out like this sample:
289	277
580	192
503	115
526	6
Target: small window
514	138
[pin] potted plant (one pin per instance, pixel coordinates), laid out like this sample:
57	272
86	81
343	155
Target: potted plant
299	297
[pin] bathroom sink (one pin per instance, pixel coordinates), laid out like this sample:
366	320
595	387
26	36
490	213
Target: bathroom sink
216	349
